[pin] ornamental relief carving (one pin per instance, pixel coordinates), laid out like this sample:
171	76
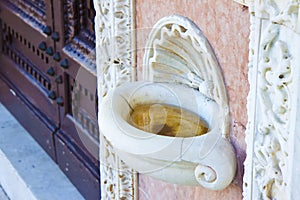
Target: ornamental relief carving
115	45
279	12
274	103
271	100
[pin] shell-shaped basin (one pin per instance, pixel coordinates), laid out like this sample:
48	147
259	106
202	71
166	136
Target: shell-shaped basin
195	154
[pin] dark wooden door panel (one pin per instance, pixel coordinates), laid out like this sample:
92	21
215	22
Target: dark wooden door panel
75	44
26	32
25	114
77	170
21	38
48	58
78	115
74	26
35	8
23	82
74	22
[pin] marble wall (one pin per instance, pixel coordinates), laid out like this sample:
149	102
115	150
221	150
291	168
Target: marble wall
226	25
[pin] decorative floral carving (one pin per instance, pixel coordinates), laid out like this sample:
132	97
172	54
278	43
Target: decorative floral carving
116	65
271	100
279	12
118	181
117	43
274	98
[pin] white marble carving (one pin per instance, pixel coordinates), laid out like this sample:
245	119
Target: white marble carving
115	45
200	160
178	52
184	72
271	167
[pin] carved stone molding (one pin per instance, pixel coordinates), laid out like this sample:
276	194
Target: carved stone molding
115	47
271	166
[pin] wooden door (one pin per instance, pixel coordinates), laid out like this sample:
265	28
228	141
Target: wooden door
26	62
75	49
48	62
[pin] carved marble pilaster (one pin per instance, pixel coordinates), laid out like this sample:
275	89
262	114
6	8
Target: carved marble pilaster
271	167
115	47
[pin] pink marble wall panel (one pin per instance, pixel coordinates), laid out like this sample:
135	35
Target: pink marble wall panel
226	25
153	189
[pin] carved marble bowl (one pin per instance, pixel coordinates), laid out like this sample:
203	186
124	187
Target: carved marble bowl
206	160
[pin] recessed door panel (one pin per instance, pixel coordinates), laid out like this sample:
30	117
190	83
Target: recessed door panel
75	45
24	32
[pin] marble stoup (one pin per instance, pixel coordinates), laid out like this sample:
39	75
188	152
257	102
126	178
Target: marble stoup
115	40
272	167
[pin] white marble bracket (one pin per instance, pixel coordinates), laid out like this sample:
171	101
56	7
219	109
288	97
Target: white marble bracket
115	49
177	52
272	165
